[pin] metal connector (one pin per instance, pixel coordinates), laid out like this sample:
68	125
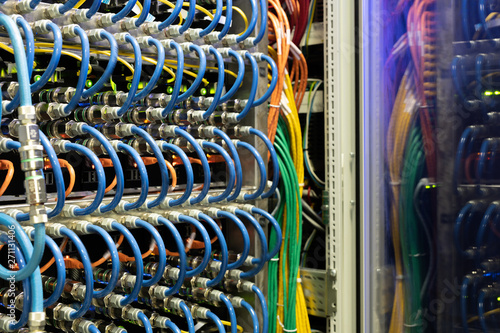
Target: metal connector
53	11
95	35
69	31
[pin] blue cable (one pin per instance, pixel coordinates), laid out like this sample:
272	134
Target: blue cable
204	162
84	67
465	19
136	78
32	254
216	321
263	305
139	266
237	163
172	17
145	321
232	313
206	241
272	85
482	16
54	59
115	261
190	17
483	154
201	72
33	3
485	221
146	6
87	269
124	11
61	272
13	145
162	253
93	8
246	238
263	244
67	6
223	249
262	170
182	255
456	62
161	163
93	329
220	83
253	315
458	227
120	181
252	24
480	310
101	178
215	20
174	328
466	135
463	303
143	172
189	317
230	167
113	57
263	22
30	57
229	20
20	58
58	177
160	61
189	173
253	89
178	78
274	159
276	228
239	77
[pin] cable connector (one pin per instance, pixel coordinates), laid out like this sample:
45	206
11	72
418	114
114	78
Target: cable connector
53	11
171	273
74	129
150	28
113	300
54	229
153	114
234	274
81	325
23	7
69	210
78	291
166	203
173	216
129	221
194	213
192	34
80	16
158	291
128	24
186	47
105	20
95	35
63	312
3	145
40	27
105	223
29	231
213	295
130	313
224	51
258	56
199	312
151	218
127	281
56	110
236	300
121	37
4	108
245	286
5	322
69	31
124	129
248	43
13	212
143	41
167	131
172	31
211	38
110	113
80	227
230	40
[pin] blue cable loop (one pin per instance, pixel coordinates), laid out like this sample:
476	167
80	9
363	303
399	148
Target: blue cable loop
136	78
61	272
465	19
463	303
93	8
229	19
139	266
84	67
252	24
480	310
263	245
171	326
160	61
456	62
262	170
483	154
87	269
54	59
466	136
253	89
178	79
33	3
493	209
482	16
263	305
216	321
124	11
182	255
232	313
272	85
201	72
162	253
246	238
115	261
253	315
143	172
276	228
215	20
120	181
239	77
101	178
204	163
458	227
274	159
30	57
161	163
93	329
263	22
206	241
146	6
189	317
32	254
220	83
113	58
172	17
190	17
145	321
223	248
230	167
189	173
67	6
237	163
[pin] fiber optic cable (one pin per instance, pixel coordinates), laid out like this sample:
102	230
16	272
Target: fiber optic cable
230	167
187	314
162	262
178	78
124	11
229	19
160	58
54	59
220	82
244	233
253	22
214	21
263	244
253	89
136	76
239	79
223	248
234	154
172	17
189	18
263	22
253	315
262	170
206	241
232	313
276	227
144	13
216	321
274	160
272	84
201	72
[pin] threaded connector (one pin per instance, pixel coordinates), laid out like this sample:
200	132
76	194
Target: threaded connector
113	300
53	11
95	35
229	40
40	27
105	20
63	312
211	38
69	31
80	16
54	229
172	31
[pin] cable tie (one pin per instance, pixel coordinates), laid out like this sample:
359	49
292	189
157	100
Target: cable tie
274	259
274	106
417	255
411	325
395	183
301	184
400	277
283	326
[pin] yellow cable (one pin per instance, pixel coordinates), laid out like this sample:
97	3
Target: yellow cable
79	4
6	48
138	4
171	5
242	14
228	324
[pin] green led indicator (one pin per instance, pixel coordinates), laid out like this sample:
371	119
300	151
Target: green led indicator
141	85
37	77
129	85
491	93
184	88
212	90
88	83
170	90
203	91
